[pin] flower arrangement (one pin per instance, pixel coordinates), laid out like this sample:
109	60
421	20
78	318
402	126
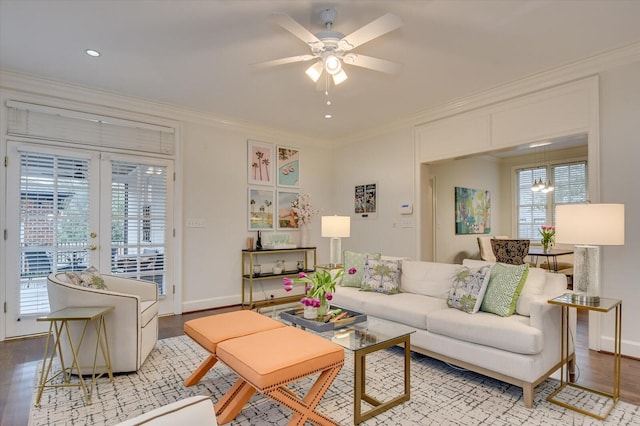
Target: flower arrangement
302	209
547	232
319	288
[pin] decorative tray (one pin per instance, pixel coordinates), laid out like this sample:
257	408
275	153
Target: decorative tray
294	316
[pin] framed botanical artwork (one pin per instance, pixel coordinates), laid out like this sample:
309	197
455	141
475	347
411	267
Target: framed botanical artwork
288	167
260	205
365	201
473	211
260	163
286	219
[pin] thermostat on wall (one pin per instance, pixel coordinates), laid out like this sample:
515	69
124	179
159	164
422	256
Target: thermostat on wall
406	208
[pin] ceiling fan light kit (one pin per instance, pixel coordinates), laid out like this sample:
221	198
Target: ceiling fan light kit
332	48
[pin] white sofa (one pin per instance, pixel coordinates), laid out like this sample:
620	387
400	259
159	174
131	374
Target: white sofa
195	411
522	349
132	328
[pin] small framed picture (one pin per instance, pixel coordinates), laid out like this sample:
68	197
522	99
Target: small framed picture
286	219
366	201
288	167
260	205
260	163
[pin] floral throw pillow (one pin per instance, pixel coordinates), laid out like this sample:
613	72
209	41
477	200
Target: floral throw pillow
89	278
381	276
355	260
469	287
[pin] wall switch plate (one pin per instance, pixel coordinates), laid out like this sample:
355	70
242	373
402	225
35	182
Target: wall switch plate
195	223
407	223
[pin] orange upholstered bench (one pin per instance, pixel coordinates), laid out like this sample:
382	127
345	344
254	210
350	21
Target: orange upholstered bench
269	360
210	331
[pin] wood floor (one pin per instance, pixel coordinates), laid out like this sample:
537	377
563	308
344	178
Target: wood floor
19	358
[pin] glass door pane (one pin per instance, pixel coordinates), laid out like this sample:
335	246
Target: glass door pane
52	221
139	197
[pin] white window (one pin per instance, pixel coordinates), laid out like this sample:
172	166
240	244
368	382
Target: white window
535	209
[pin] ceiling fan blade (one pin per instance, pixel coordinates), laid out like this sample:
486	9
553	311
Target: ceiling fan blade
291	25
380	26
372	63
283	61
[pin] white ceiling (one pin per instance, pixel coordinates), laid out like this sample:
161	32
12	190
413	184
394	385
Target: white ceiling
198	54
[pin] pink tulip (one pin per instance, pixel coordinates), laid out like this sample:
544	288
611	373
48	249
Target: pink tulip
302	275
329	296
316	303
288	287
308	288
352	271
287	281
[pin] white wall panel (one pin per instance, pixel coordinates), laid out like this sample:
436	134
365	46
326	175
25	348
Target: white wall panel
552	113
454	136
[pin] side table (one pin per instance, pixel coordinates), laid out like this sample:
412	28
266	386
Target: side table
605	305
58	328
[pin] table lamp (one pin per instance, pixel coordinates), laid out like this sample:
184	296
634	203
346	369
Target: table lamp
336	227
589	226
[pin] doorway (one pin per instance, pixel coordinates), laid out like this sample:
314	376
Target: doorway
71	208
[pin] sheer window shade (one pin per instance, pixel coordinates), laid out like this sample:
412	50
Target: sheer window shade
38	121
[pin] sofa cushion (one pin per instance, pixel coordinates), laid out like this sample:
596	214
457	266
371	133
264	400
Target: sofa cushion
513	334
505	285
90	278
405	308
428	278
533	286
355	260
468	289
353	298
381	276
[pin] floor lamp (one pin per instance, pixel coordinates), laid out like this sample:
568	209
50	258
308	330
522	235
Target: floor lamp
336	227
589	226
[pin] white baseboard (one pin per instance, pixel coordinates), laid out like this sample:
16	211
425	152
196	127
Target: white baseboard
215	302
629	348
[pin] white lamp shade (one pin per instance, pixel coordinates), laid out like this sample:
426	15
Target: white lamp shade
590	224
336	226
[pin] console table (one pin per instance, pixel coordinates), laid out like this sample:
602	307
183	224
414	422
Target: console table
249	278
605	305
58	328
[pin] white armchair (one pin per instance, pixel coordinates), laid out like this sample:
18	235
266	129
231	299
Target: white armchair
132	328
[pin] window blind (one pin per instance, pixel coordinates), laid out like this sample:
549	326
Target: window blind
44	122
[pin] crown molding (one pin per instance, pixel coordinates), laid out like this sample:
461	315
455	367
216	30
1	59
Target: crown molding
535	82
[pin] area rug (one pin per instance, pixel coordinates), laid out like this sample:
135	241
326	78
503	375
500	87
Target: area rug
440	394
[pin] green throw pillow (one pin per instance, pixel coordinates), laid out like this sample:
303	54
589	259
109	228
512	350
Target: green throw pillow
355	260
505	285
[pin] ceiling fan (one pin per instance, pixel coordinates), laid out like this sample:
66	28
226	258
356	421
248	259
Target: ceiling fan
331	49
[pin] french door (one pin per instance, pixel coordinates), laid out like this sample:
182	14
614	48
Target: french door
68	209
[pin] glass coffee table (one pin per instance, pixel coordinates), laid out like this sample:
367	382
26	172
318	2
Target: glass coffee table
362	339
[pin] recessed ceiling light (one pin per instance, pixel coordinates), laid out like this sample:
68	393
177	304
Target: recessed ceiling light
328	116
92	52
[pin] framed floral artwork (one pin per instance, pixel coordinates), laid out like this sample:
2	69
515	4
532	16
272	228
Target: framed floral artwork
473	211
260	163
260	209
288	167
286	218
